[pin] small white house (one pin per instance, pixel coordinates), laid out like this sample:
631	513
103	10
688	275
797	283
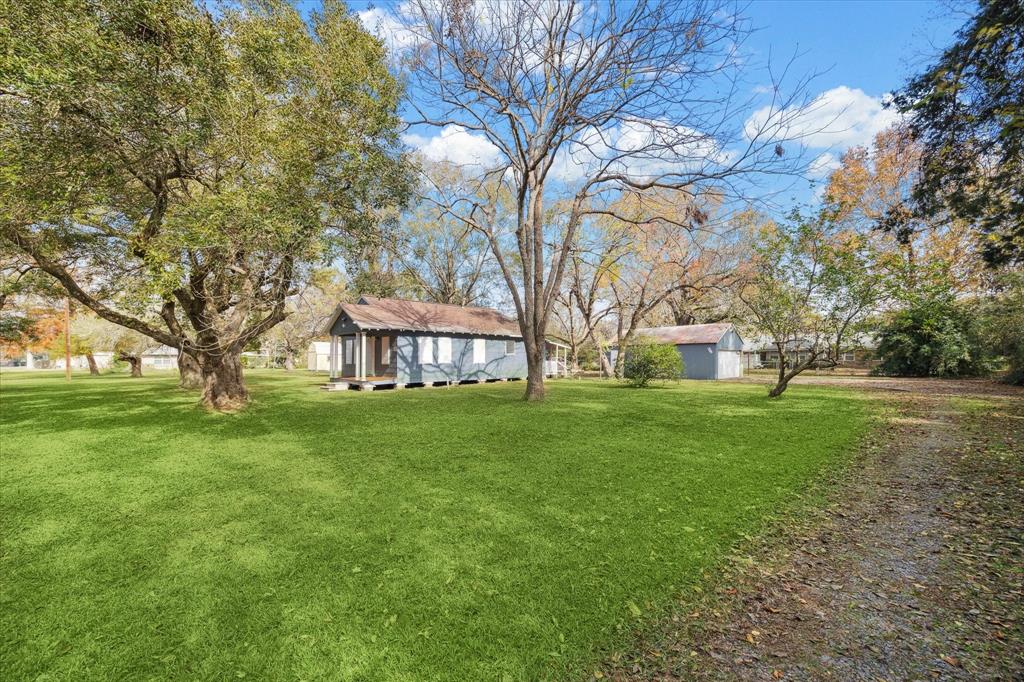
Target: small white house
103	360
318	356
160	357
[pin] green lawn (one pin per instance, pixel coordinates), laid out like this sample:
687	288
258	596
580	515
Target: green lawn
425	534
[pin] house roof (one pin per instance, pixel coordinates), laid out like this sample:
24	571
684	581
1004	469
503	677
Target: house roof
691	333
393	314
161	350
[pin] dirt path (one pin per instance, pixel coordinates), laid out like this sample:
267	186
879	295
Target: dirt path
913	572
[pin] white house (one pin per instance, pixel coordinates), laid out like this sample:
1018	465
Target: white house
318	356
160	357
103	360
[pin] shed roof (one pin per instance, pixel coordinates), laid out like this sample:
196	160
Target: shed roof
691	333
393	314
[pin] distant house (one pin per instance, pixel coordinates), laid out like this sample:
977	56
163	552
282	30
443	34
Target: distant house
762	353
103	360
387	342
709	351
160	357
318	356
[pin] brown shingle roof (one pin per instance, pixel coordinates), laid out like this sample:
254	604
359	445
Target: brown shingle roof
372	313
691	333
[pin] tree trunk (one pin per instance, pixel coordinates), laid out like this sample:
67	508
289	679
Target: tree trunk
223	384
134	361
289	362
189	371
534	374
93	369
779	388
783	382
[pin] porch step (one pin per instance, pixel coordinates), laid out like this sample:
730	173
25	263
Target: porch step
335	386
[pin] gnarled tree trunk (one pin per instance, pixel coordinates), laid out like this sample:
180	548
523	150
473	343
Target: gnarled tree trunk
223	384
134	361
189	371
93	369
289	361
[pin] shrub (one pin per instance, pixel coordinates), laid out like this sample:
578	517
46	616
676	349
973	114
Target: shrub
932	337
647	361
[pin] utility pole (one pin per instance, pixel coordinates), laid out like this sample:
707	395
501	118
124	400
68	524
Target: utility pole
67	339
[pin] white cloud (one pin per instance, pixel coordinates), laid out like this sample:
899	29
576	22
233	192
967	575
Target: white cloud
841	117
456	145
823	165
389	28
639	149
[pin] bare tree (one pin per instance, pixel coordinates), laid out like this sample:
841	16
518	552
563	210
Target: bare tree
309	311
581	102
441	258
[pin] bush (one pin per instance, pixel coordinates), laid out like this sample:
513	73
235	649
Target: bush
932	337
647	361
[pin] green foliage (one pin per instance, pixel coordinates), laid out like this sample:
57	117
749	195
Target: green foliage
16	328
968	113
412	535
1001	322
647	361
811	286
222	154
932	337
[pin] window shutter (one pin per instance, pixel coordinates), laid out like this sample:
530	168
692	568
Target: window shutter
479	351
426	350
444	350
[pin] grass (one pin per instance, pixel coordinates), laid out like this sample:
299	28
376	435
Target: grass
425	534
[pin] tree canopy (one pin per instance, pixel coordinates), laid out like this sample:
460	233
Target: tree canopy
967	111
165	161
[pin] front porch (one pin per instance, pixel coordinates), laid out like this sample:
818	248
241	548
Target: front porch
362	357
556	359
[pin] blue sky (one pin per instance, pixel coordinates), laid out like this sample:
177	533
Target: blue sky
861	49
870	44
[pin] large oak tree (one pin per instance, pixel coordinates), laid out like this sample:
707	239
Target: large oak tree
164	161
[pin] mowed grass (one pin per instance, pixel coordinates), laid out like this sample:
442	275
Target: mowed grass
426	534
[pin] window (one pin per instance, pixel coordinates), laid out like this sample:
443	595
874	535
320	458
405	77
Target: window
444	350
385	351
347	356
426	350
510	347
479	351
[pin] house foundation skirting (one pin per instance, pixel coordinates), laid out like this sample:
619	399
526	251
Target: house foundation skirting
384	384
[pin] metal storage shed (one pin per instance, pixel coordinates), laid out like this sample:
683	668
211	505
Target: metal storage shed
709	351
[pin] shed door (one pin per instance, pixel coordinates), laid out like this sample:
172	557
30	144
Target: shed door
729	365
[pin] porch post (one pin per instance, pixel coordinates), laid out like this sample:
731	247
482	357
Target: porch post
333	357
362	356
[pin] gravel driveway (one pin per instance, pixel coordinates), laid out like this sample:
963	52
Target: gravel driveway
912	568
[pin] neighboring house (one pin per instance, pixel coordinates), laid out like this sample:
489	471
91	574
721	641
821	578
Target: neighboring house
160	357
103	360
379	342
709	351
556	363
762	353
